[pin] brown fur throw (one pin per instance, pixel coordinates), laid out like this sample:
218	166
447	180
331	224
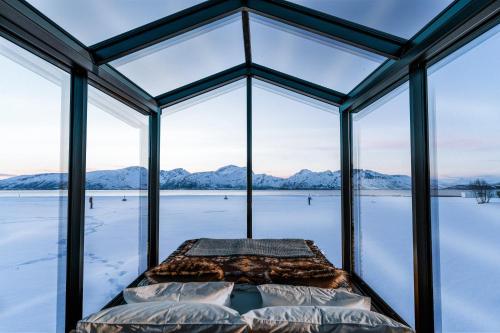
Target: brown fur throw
186	270
316	271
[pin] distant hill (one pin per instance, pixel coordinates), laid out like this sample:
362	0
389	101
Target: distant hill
228	177
131	178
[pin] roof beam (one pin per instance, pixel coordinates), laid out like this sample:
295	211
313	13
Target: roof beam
163	29
260	72
196	16
26	26
330	26
246	37
202	86
297	85
463	20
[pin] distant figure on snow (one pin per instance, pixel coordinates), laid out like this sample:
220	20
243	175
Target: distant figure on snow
309	198
225	197
124	199
91	202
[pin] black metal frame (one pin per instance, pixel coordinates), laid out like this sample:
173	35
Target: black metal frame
462	21
346	188
76	197
249	168
421	202
154	188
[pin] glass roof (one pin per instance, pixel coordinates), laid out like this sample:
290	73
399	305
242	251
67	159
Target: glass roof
92	21
217	46
403	18
309	56
186	58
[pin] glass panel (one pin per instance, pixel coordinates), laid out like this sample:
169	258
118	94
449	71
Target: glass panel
34	129
296	162
400	18
203	158
383	236
309	56
92	21
186	58
116	210
464	118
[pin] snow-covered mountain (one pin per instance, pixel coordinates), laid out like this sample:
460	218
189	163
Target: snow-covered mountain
130	178
228	177
372	180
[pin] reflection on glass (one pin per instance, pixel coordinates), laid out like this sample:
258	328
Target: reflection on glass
296	161
309	56
399	18
116	199
383	238
34	119
203	174
465	173
92	21
186	58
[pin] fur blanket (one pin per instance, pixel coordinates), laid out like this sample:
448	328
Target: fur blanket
315	271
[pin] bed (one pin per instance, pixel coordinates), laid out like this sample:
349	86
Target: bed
256	286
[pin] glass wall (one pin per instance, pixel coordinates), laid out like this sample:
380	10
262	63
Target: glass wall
34	123
464	113
296	162
116	211
203	168
383	239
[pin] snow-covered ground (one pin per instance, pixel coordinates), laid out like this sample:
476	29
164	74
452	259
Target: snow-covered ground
32	242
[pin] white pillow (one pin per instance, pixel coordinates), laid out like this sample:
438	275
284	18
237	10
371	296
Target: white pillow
201	292
164	317
320	319
282	295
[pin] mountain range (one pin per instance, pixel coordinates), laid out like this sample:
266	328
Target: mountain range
227	177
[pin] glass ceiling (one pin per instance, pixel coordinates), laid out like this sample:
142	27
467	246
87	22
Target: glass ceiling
186	58
92	21
217	46
309	56
403	18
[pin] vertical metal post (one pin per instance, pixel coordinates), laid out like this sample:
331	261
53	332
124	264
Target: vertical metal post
76	198
346	189
248	61
249	157
154	188
422	224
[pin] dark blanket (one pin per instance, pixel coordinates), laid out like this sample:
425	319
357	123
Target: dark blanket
314	271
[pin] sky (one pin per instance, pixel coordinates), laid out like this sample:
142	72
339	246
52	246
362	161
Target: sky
289	132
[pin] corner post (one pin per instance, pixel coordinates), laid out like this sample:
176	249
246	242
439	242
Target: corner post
422	224
249	156
76	198
346	189
154	188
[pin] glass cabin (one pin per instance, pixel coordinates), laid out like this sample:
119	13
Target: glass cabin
370	127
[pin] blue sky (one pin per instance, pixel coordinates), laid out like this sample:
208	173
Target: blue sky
289	133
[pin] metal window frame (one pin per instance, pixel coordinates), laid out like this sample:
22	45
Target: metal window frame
76	198
191	18
261	72
461	22
249	167
421	202
154	189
